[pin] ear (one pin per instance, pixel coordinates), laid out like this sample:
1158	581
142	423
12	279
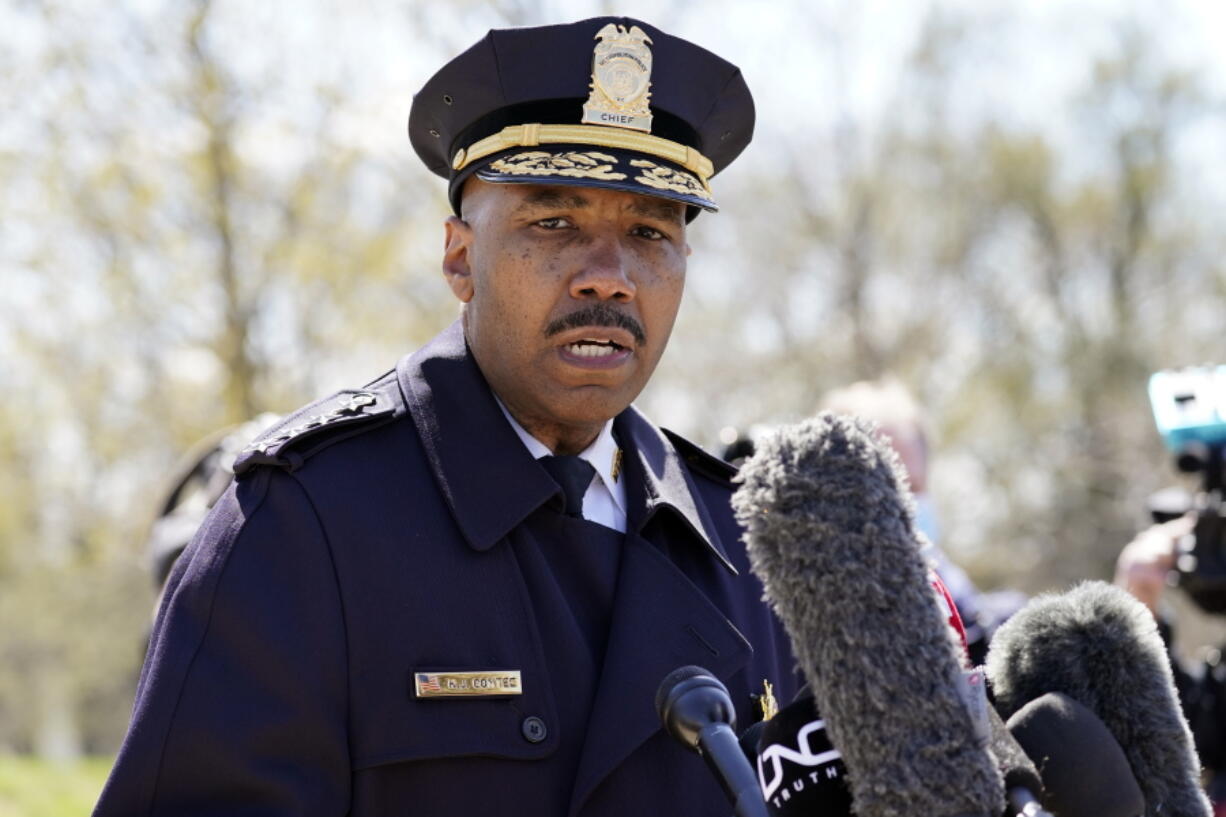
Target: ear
458	238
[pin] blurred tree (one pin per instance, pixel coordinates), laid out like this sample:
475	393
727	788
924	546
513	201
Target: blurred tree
195	243
1024	287
1080	314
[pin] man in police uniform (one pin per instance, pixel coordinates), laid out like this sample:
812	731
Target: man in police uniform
455	590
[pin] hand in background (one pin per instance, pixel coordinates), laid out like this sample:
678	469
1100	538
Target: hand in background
1144	563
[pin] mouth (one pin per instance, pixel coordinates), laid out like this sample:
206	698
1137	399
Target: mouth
593	348
596	347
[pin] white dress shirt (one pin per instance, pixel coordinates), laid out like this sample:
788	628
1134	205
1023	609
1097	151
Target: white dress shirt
605	499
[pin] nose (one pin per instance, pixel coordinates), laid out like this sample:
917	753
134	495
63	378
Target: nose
605	272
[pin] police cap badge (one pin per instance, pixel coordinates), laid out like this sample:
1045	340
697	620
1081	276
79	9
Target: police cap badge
608	102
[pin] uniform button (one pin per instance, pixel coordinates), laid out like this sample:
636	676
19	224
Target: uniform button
534	729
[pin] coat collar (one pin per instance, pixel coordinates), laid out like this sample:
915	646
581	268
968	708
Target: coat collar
669	485
489	478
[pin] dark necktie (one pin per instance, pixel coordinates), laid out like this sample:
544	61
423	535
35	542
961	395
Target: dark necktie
573	474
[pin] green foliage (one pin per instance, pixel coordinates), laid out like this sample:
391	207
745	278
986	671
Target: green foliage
174	276
38	788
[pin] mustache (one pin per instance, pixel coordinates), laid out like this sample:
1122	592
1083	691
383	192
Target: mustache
599	314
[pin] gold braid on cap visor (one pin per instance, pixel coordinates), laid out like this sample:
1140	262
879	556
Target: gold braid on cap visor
538	134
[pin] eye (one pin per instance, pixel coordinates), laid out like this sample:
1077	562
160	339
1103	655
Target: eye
554	223
650	233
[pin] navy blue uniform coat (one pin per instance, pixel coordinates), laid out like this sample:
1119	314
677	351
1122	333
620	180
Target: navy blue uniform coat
408	536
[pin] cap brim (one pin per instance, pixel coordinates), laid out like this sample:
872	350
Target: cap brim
608	168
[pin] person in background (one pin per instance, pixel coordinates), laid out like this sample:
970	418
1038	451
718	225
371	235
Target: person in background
1145	569
198	480
889	404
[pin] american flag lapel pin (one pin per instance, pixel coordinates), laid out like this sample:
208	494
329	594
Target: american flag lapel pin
468	683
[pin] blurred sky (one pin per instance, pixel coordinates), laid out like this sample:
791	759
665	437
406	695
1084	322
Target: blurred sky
1032	58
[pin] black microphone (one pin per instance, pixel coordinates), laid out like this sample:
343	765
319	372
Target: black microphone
800	771
803	774
1084	771
695	708
831	533
1100	647
1023	785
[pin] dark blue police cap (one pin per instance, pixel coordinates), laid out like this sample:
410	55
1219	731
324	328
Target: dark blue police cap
608	102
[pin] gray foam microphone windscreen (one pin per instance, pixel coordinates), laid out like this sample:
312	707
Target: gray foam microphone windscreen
1099	646
830	531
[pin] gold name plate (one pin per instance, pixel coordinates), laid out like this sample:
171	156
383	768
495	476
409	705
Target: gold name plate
485	683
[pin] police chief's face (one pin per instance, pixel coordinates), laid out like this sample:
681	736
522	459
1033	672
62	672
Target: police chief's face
570	294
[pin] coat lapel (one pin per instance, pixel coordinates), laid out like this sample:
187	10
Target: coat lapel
667	486
661	619
486	474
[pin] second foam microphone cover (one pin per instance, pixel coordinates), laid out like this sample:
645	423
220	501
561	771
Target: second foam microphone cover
1101	647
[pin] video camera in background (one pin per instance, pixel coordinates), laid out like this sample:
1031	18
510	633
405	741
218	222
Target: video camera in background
1190	410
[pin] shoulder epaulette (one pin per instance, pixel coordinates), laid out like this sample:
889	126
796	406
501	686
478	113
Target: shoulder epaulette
289	443
701	461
